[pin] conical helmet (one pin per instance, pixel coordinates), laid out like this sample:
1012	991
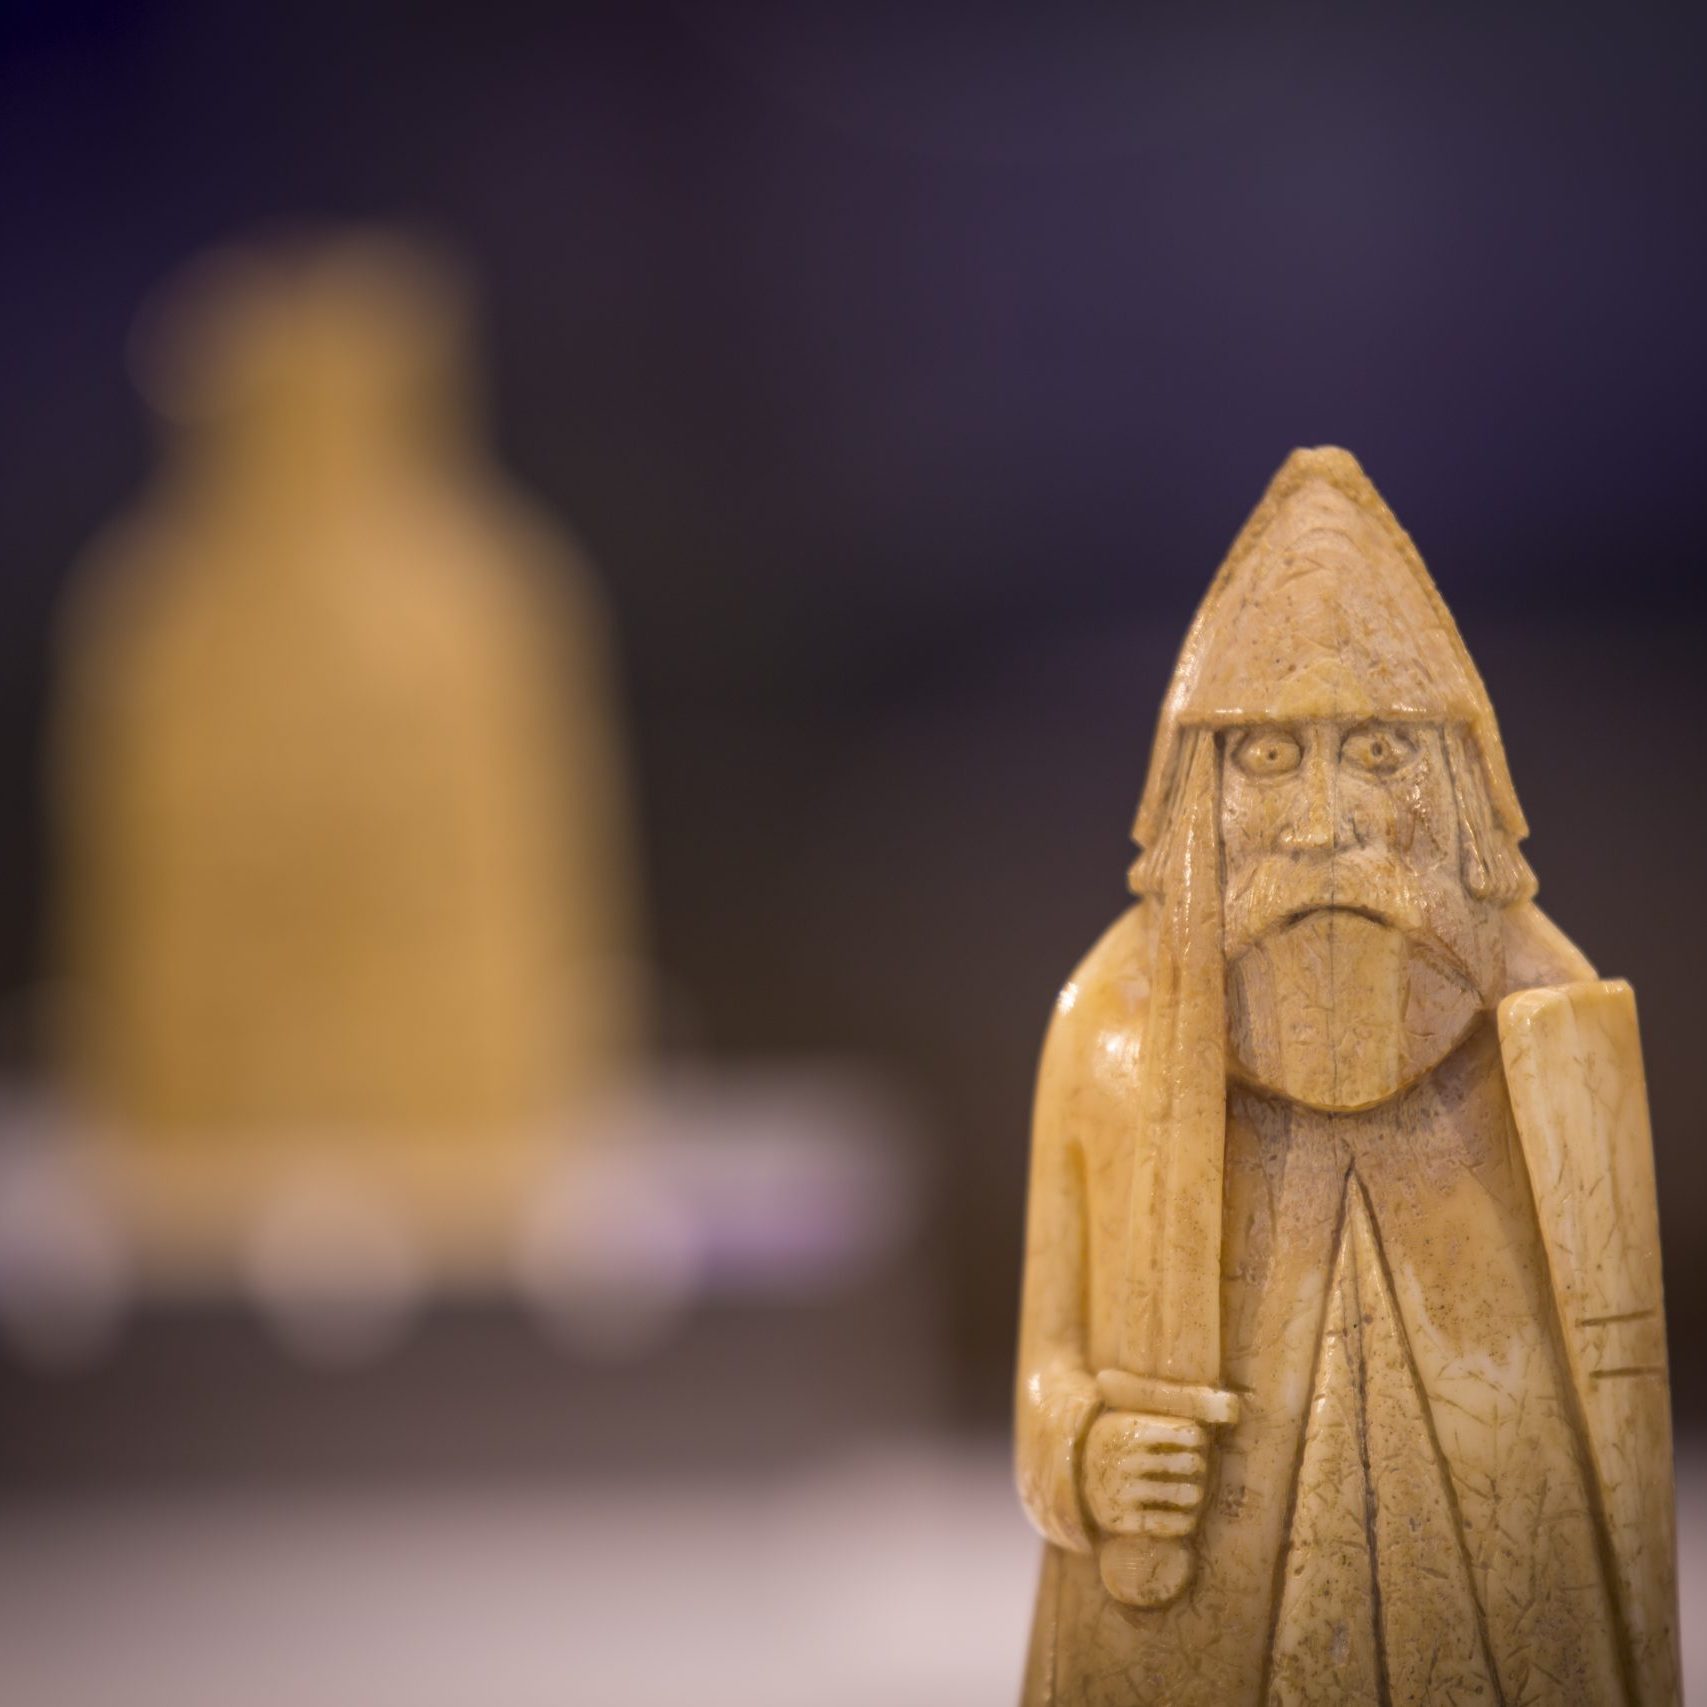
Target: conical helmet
1323	609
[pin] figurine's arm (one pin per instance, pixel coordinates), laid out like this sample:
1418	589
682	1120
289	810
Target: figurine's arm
1057	1394
1056	1399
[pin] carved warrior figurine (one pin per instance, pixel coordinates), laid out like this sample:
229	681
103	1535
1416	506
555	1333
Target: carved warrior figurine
1342	1371
346	857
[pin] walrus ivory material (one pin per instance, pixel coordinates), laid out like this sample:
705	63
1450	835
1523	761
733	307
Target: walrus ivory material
347	885
1342	1370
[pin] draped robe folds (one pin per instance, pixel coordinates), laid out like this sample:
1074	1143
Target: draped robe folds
1406	1509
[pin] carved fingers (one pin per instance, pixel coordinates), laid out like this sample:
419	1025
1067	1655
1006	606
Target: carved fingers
1145	1474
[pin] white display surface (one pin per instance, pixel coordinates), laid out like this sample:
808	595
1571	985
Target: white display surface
904	1576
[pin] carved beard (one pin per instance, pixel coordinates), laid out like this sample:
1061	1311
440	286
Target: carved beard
1341	1009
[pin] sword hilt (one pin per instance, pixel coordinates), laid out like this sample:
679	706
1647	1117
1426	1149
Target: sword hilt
1152	1570
1147	1570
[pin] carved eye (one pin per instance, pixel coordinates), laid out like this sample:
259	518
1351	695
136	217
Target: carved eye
1268	752
1378	748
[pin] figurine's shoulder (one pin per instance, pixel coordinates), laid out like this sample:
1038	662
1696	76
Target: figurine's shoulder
1098	1022
1537	953
122	594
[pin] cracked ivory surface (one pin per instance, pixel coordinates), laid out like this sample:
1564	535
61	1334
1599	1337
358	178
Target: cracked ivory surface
1468	1416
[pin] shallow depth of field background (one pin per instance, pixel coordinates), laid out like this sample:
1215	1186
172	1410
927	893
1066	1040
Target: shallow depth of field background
904	377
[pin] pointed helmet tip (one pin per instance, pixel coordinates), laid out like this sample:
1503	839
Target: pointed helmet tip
1331	466
1320	462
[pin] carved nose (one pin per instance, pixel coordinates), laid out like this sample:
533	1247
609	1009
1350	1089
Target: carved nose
1314	827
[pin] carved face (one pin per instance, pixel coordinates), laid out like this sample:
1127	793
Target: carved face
1356	958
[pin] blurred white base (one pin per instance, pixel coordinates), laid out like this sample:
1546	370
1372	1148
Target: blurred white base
779	1182
904	1578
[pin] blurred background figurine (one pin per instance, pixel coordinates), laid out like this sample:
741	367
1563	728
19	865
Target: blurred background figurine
347	907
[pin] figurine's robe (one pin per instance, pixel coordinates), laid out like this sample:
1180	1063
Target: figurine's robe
1407	1510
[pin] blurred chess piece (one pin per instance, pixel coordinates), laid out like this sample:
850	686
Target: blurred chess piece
347	890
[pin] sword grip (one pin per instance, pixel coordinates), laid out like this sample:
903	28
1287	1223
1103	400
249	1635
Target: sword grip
1147	1570
1152	1570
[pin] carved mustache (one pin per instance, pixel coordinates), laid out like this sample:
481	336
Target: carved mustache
1279	890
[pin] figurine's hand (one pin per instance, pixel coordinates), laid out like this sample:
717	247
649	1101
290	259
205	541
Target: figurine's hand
1145	1474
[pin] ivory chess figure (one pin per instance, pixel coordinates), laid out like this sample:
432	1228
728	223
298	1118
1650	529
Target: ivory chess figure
347	862
1342	1371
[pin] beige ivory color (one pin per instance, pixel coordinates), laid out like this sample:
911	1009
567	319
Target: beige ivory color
346	868
1342	1371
